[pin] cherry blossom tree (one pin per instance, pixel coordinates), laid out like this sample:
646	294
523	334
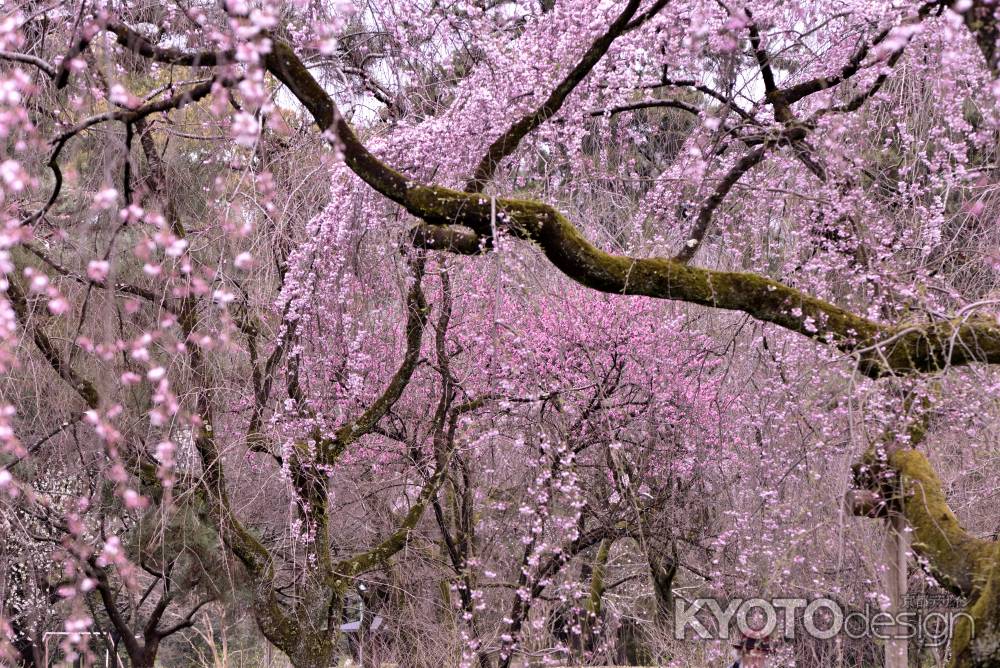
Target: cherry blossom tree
503	321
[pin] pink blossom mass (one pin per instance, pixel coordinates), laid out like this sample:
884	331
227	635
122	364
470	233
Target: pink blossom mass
500	333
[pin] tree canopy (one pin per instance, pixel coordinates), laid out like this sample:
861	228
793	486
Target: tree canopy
486	333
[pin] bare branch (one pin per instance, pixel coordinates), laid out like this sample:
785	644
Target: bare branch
28	59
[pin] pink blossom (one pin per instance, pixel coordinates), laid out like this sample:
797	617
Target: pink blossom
97	270
243	261
106	198
245	129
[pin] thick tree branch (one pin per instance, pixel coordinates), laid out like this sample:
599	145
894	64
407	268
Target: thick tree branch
121	625
138	44
128	116
782	111
350	568
794	93
959	560
450	239
188	620
28	59
966	565
81	45
697	234
647	104
416	319
508	142
705	90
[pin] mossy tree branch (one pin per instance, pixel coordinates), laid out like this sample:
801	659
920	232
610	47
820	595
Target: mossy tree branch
348	569
960	561
880	349
416	320
965	564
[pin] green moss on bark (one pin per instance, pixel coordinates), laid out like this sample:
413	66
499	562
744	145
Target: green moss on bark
959	560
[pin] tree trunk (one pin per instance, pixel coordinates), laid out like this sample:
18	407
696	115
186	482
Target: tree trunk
145	657
315	655
895	588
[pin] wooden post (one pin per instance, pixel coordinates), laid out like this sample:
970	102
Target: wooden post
753	659
895	587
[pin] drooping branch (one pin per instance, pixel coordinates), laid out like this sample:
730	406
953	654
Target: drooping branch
80	385
128	117
982	21
416	319
31	449
445	423
162	301
542	577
